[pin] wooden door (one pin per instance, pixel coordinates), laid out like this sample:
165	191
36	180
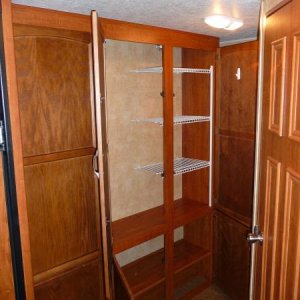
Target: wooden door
278	263
54	84
102	152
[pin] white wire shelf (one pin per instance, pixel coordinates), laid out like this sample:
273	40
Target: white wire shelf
178	120
175	70
181	165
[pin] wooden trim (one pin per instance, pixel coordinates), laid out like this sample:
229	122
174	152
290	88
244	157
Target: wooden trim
294	132
67	267
123	278
112	29
290	177
133	32
272	126
100	118
271	163
34	16
247	45
38	159
168	148
17	145
272	10
168	153
233	215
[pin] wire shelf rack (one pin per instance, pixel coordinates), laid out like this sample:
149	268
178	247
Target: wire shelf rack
175	70
178	120
181	165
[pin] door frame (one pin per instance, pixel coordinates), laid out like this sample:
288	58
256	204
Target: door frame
9	179
255	212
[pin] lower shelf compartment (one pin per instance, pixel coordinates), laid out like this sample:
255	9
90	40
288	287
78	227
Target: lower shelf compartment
135	229
148	272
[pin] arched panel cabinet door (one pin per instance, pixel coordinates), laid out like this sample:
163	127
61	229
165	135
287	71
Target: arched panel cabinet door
101	158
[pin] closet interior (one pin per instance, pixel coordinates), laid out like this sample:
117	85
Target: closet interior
148	221
136	162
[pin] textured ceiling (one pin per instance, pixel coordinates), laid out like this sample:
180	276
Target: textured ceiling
184	15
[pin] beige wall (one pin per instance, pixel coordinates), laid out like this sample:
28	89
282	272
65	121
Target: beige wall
132	96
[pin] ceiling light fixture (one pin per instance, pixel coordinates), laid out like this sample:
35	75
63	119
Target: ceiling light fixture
223	22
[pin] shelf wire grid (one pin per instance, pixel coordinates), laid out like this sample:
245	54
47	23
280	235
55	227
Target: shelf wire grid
175	70
178	120
181	165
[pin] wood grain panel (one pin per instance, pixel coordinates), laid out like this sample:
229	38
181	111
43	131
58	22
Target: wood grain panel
168	153
290	280
195	137
236	174
6	275
54	90
294	124
271	230
36	16
132	32
62	211
277	86
237	103
82	284
231	256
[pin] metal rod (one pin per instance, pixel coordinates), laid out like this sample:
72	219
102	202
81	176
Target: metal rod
211	113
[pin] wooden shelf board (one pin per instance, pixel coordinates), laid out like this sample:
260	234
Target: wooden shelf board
135	229
149	271
138	228
186	211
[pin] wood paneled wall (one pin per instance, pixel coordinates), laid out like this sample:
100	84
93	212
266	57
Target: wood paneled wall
235	141
53	73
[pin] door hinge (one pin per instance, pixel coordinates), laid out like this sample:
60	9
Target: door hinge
2	137
255	236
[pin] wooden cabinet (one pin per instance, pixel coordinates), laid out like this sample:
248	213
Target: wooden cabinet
158	106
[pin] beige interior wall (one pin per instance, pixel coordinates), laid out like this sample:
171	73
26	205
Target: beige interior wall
132	96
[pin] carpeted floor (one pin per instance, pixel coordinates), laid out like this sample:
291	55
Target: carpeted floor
212	293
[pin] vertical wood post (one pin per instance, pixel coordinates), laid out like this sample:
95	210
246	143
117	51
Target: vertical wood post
168	150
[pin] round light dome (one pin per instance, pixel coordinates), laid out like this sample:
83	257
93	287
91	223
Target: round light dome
224	22
218	21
